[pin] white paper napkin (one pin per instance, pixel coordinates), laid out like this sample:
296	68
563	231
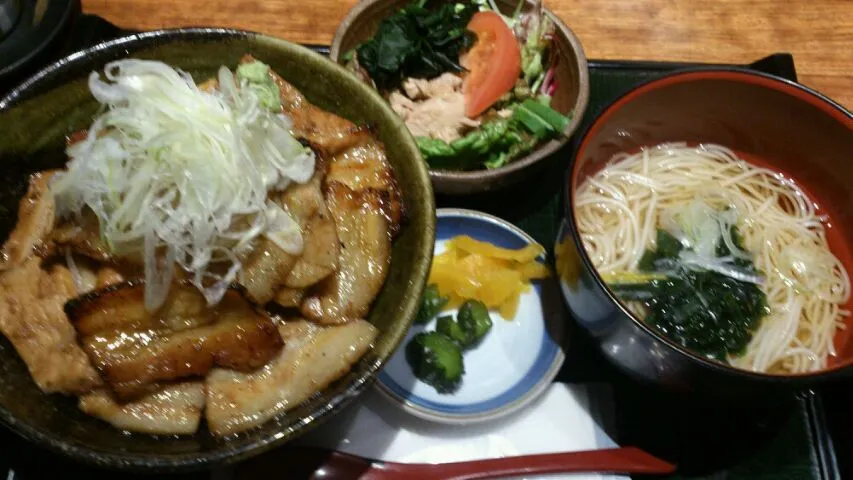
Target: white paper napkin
378	428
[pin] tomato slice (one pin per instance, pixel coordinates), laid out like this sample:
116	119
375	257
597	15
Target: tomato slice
493	63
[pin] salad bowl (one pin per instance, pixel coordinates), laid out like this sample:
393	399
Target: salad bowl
567	85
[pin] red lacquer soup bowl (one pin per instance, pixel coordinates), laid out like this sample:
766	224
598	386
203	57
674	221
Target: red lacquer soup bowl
766	120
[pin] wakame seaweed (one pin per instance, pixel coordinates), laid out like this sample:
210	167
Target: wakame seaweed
417	42
704	311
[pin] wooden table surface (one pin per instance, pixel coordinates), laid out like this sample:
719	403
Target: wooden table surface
819	33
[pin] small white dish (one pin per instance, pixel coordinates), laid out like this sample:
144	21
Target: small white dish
514	363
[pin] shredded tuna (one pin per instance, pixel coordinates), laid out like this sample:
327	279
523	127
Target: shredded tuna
433	108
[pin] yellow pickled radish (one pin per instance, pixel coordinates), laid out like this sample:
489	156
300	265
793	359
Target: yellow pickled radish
496	276
508	309
470	245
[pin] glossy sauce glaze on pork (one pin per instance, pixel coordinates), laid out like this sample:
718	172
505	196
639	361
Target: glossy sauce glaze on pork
76	314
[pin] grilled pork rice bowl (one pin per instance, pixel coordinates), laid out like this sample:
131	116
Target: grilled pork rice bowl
213	241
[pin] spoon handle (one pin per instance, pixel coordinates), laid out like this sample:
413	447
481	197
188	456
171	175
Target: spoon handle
615	460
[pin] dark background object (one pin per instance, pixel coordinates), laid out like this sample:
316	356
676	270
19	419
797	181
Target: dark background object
791	440
33	38
10	11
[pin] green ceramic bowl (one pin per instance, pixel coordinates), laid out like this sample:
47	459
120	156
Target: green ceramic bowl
35	119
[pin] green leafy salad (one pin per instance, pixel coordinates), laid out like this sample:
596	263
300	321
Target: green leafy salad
473	85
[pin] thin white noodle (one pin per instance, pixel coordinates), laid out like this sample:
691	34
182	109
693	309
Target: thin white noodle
618	208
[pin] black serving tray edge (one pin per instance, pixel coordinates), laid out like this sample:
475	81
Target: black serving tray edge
89	30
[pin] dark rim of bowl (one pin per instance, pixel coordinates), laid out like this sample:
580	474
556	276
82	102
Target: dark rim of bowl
543	150
766	80
218	456
53	70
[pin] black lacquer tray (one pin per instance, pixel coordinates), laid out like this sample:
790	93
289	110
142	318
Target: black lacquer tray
806	436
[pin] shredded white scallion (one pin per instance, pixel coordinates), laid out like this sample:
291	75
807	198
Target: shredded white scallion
180	175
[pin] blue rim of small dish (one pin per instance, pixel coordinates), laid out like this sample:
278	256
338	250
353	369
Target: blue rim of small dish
538	377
